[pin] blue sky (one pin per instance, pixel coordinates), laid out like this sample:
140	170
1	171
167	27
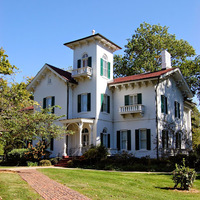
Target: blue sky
33	32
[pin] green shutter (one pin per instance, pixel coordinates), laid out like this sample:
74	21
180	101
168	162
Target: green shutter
108	140
89	102
79	63
101	138
108	104
52	144
109	70
118	140
137	139
53	104
139	98
129	139
90	62
175	109
163	139
167	139
126	100
166	107
177	146
148	139
44	103
79	103
102	97
162	103
101	67
179	114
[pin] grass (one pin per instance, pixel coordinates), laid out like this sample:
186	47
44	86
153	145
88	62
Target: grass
121	185
13	187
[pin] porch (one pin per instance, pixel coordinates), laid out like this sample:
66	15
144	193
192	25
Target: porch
79	136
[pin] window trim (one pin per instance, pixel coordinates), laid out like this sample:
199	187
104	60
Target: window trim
128	140
164	104
79	102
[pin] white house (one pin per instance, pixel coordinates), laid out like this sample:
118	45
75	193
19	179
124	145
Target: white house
146	114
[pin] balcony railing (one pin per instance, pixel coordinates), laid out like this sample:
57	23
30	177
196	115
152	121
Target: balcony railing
132	109
85	72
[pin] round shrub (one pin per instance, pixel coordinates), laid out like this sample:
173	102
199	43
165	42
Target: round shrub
45	163
17	156
54	161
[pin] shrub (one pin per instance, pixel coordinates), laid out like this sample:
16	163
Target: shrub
54	161
183	175
96	153
45	163
38	152
31	164
17	156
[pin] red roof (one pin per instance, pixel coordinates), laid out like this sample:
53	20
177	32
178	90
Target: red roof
141	76
66	75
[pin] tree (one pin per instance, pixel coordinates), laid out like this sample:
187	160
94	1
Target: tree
17	124
143	52
5	67
196	127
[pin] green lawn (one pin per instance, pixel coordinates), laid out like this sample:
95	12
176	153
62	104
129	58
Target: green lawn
121	185
12	187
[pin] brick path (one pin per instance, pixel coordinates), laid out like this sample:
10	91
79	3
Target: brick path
48	188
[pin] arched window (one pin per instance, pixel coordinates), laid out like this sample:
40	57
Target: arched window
105	138
85	60
85	137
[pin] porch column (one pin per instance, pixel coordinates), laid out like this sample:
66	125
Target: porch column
80	126
64	148
91	133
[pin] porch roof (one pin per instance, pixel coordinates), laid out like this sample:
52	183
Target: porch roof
77	120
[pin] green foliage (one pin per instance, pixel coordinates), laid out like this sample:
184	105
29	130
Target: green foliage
54	161
38	152
45	163
5	67
143	52
184	176
96	153
32	164
17	156
195	127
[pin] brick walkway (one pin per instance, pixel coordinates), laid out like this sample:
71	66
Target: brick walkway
48	188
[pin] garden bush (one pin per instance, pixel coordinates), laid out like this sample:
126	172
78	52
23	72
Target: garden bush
45	163
54	161
184	176
31	164
17	157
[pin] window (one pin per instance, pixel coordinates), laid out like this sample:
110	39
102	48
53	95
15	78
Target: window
49	79
105	66
177	109
164	108
105	138
85	137
165	139
84	102
85	61
133	99
49	102
143	139
105	103
178	140
124	140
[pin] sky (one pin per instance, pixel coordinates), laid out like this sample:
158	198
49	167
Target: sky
33	32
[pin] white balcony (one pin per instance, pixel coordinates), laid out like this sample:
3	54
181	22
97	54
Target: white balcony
132	109
84	72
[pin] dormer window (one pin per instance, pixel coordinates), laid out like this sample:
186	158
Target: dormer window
105	66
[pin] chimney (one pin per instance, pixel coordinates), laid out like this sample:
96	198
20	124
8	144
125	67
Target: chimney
166	60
